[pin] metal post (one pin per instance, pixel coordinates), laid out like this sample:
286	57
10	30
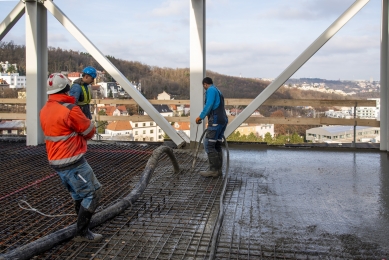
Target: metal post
296	64
36	68
114	72
11	19
384	78
197	64
355	125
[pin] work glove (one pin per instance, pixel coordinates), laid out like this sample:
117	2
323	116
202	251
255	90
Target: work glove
198	120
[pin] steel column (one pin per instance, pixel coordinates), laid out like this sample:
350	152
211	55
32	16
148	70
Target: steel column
197	64
384	78
11	19
296	64
36	69
114	72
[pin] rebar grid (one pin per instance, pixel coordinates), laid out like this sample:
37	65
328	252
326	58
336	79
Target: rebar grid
27	176
173	219
175	216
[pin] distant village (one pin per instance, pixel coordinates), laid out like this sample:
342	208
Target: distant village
150	132
341	87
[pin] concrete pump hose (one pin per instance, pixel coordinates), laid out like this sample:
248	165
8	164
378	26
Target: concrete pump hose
45	243
216	227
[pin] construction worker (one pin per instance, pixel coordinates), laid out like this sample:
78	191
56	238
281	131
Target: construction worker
66	131
217	123
81	90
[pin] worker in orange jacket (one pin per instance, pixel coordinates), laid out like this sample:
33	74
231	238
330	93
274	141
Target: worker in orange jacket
67	130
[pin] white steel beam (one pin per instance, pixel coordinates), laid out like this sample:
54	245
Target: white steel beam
197	65
384	78
296	64
36	69
11	19
114	72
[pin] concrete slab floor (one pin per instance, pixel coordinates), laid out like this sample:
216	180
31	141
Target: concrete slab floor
306	204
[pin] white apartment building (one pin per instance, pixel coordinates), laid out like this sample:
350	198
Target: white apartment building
150	131
6	65
347	113
147	131
107	87
369	112
14	80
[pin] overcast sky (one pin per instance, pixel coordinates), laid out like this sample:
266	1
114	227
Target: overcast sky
252	38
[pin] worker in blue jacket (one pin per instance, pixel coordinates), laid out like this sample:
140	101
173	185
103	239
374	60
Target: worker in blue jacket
81	90
217	123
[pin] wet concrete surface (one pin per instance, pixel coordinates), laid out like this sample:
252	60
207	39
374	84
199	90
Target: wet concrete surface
306	203
280	203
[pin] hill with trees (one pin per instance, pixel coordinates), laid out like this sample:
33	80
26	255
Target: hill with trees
154	79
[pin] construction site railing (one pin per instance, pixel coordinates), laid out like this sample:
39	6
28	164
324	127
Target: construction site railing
232	102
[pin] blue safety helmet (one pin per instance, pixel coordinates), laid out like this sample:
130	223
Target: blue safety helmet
90	71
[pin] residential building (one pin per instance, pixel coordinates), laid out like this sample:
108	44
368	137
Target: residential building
257	130
330	134
14	80
164	96
6	65
108	88
72	76
182	126
369	112
147	131
112	110
164	110
339	114
15	127
119	130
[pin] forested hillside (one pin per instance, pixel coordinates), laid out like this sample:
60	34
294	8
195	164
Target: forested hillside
154	79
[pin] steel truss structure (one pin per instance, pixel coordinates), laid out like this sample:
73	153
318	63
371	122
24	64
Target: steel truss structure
36	44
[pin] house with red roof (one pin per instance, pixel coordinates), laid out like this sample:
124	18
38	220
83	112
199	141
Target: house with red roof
119	130
182	126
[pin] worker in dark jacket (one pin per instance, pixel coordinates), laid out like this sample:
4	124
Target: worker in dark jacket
66	131
217	123
81	90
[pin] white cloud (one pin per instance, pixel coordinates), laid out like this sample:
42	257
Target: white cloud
268	49
350	44
171	7
55	38
306	10
148	52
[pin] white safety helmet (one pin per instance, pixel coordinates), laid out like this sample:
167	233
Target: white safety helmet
56	82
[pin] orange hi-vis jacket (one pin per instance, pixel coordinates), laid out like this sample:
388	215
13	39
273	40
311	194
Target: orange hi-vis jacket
66	130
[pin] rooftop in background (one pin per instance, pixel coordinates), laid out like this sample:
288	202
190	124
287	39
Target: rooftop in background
340	128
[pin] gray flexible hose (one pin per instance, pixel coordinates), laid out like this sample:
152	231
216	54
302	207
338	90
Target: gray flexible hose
216	228
45	243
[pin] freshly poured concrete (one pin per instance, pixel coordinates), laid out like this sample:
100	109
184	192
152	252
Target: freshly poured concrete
305	203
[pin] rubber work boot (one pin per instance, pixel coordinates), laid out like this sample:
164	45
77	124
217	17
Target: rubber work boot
77	205
83	234
214	166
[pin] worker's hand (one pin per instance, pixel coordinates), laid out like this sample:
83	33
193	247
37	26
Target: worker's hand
198	120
